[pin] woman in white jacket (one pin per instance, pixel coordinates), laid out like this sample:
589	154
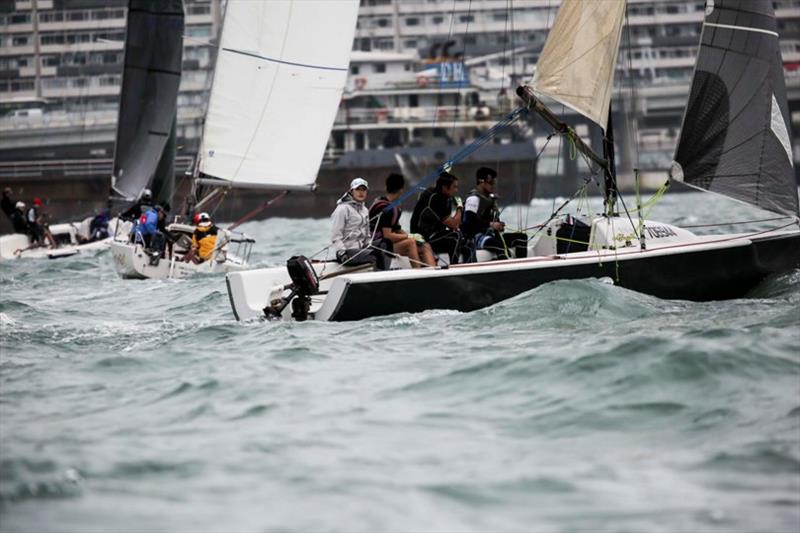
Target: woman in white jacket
350	232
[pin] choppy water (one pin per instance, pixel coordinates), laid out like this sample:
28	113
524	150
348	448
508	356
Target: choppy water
143	406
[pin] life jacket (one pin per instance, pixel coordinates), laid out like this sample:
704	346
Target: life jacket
206	240
487	207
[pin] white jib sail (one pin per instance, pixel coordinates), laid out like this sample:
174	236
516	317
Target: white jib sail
279	77
576	67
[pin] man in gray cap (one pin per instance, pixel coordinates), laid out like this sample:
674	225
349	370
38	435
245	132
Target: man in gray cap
350	234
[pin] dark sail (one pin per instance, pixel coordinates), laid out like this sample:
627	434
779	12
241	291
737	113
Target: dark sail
163	186
735	139
148	99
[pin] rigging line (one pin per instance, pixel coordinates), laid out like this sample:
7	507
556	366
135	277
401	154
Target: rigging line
463	55
439	88
555	212
461	154
503	64
257	210
634	123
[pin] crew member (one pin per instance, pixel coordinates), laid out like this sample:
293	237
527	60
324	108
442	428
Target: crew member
37	226
350	234
386	227
142	206
481	223
6	203
17	217
204	240
437	216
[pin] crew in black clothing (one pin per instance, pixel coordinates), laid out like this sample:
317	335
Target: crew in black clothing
17	217
437	216
481	223
6	203
142	205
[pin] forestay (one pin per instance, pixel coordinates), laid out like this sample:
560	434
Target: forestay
148	98
280	73
735	139
576	67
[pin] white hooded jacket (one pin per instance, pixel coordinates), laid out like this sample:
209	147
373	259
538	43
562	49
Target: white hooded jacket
350	225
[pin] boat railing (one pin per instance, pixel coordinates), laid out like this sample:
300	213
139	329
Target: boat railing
420	115
239	245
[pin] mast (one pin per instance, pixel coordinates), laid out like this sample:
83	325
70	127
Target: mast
610	169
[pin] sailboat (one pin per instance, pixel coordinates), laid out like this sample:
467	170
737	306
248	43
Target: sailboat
145	140
734	141
273	101
71	238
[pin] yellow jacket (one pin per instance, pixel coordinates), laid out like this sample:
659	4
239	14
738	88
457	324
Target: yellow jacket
204	240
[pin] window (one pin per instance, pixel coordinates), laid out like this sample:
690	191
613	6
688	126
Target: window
380	68
51	61
21	85
412	21
438	19
104	14
55	16
199	9
500	16
19	18
410	43
77	15
382	23
354	69
20	40
54	83
466	18
198	31
108	81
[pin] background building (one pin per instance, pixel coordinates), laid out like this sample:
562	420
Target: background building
427	76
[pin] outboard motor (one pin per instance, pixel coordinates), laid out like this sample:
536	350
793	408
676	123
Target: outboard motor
305	283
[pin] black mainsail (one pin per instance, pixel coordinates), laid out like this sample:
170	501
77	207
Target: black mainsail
735	137
148	99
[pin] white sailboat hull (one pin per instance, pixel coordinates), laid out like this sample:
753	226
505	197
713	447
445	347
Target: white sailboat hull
132	261
732	265
18	246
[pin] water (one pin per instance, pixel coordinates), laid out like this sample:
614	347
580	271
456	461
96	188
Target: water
143	406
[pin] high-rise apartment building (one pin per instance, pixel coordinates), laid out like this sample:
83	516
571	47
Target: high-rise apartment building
424	73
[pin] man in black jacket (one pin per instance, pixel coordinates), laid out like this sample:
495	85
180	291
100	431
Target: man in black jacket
437	216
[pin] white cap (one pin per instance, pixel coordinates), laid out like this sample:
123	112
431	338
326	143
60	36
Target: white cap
20	205
147	194
204	220
359	182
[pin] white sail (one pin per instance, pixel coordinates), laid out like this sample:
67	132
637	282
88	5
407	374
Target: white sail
576	67
279	77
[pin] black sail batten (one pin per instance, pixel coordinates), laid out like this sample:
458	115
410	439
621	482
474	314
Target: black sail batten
148	98
735	138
